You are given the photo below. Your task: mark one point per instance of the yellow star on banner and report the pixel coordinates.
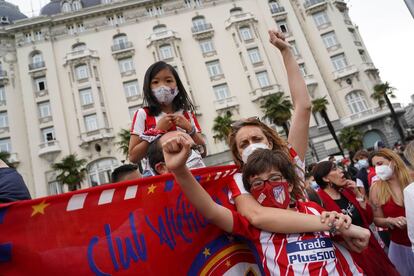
(208, 177)
(228, 263)
(39, 208)
(206, 252)
(151, 189)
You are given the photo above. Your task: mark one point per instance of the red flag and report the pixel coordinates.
(130, 228)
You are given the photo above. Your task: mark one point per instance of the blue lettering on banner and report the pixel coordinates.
(309, 251)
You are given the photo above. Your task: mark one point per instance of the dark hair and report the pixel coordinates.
(121, 171)
(321, 170)
(155, 154)
(181, 101)
(263, 160)
(361, 154)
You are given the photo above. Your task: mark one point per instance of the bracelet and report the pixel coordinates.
(192, 131)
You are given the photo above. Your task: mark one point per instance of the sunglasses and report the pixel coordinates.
(243, 122)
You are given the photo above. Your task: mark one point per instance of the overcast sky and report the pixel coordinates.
(386, 27)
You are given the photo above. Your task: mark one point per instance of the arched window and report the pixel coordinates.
(246, 33)
(159, 28)
(78, 47)
(166, 51)
(76, 5)
(199, 23)
(120, 40)
(36, 57)
(99, 171)
(66, 7)
(356, 102)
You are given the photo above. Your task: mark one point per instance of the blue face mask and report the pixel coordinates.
(363, 164)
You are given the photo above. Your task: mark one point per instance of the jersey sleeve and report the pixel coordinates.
(138, 122)
(242, 227)
(236, 186)
(194, 121)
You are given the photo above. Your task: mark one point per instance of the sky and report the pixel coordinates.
(386, 27)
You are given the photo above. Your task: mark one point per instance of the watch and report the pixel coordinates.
(192, 131)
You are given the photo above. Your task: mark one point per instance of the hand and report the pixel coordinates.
(400, 222)
(350, 184)
(278, 40)
(356, 238)
(176, 151)
(166, 122)
(338, 219)
(182, 122)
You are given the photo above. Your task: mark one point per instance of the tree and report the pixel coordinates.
(351, 139)
(123, 144)
(382, 94)
(277, 108)
(222, 126)
(319, 105)
(71, 171)
(4, 155)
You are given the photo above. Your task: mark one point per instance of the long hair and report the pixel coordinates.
(264, 160)
(181, 101)
(409, 153)
(400, 171)
(271, 135)
(321, 170)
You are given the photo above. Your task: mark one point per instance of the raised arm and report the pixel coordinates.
(176, 151)
(299, 129)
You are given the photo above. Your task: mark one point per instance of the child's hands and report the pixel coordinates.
(182, 122)
(176, 151)
(166, 122)
(278, 40)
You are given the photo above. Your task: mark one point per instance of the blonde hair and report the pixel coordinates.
(409, 153)
(400, 171)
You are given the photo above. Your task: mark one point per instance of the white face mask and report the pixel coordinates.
(363, 164)
(165, 94)
(195, 160)
(251, 148)
(384, 172)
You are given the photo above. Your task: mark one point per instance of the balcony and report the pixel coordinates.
(202, 31)
(123, 49)
(37, 66)
(165, 35)
(49, 148)
(235, 18)
(334, 48)
(369, 67)
(313, 6)
(79, 54)
(227, 103)
(340, 5)
(3, 77)
(263, 92)
(370, 115)
(278, 12)
(101, 134)
(345, 72)
(41, 93)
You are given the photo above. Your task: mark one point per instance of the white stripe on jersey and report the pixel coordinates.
(351, 264)
(269, 252)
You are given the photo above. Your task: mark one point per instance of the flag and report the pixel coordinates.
(142, 227)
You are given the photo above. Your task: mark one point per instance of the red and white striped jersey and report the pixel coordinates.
(298, 254)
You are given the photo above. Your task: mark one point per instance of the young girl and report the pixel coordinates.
(271, 179)
(168, 107)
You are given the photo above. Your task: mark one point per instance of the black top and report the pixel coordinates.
(363, 176)
(12, 187)
(349, 209)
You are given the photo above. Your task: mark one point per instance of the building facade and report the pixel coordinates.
(71, 78)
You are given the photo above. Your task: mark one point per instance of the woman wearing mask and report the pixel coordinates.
(386, 196)
(342, 195)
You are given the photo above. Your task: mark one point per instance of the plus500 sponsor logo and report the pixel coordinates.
(309, 251)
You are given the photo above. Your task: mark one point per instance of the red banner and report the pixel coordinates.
(144, 227)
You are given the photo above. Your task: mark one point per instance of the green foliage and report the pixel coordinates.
(277, 108)
(222, 126)
(319, 104)
(71, 171)
(4, 155)
(351, 139)
(123, 143)
(381, 91)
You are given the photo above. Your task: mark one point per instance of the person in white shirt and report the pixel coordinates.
(409, 194)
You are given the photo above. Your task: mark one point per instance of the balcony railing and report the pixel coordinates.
(49, 148)
(310, 80)
(369, 66)
(276, 10)
(96, 135)
(121, 46)
(160, 35)
(344, 72)
(247, 16)
(36, 65)
(202, 28)
(313, 6)
(226, 103)
(311, 3)
(370, 114)
(80, 54)
(262, 92)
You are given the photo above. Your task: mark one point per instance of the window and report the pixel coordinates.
(356, 102)
(246, 33)
(86, 96)
(320, 18)
(339, 62)
(106, 1)
(263, 79)
(318, 119)
(100, 171)
(38, 35)
(37, 58)
(302, 69)
(2, 95)
(254, 55)
(131, 88)
(193, 3)
(132, 111)
(294, 48)
(363, 55)
(214, 68)
(55, 188)
(76, 5)
(329, 39)
(40, 84)
(66, 7)
(282, 26)
(115, 19)
(274, 6)
(126, 65)
(155, 10)
(48, 134)
(207, 46)
(166, 51)
(4, 119)
(81, 72)
(75, 28)
(221, 91)
(91, 122)
(5, 145)
(120, 40)
(79, 47)
(28, 37)
(44, 109)
(80, 27)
